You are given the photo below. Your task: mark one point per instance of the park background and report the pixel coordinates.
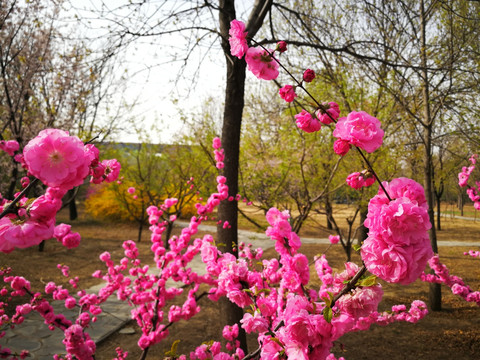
(414, 66)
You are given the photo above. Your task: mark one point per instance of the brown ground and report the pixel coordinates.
(453, 333)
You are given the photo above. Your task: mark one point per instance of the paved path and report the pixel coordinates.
(447, 215)
(34, 335)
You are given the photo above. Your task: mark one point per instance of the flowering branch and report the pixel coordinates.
(9, 208)
(352, 284)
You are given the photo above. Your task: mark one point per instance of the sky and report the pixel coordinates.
(160, 95)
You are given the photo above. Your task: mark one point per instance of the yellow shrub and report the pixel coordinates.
(113, 202)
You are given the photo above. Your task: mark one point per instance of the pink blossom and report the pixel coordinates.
(329, 113)
(361, 301)
(287, 93)
(78, 343)
(341, 147)
(237, 39)
(355, 180)
(358, 180)
(261, 63)
(209, 253)
(112, 170)
(57, 159)
(92, 153)
(98, 173)
(306, 122)
(254, 323)
(308, 75)
(131, 190)
(23, 234)
(230, 333)
(360, 129)
(463, 179)
(282, 46)
(9, 146)
(25, 181)
(398, 246)
(270, 349)
(68, 238)
(44, 208)
(334, 239)
(61, 230)
(466, 171)
(217, 143)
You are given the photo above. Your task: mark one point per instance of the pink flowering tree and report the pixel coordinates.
(289, 316)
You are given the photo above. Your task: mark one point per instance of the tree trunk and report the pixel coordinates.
(329, 212)
(435, 294)
(348, 251)
(362, 233)
(232, 121)
(140, 230)
(168, 233)
(460, 201)
(438, 199)
(72, 205)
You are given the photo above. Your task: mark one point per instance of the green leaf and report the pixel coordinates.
(328, 301)
(368, 281)
(264, 290)
(327, 314)
(357, 247)
(173, 350)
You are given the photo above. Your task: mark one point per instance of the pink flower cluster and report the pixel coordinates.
(63, 233)
(357, 310)
(357, 180)
(287, 93)
(63, 161)
(292, 320)
(398, 246)
(455, 283)
(358, 129)
(289, 318)
(261, 62)
(104, 171)
(219, 153)
(306, 122)
(472, 253)
(463, 177)
(238, 39)
(334, 239)
(329, 113)
(57, 159)
(9, 146)
(33, 221)
(308, 75)
(78, 343)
